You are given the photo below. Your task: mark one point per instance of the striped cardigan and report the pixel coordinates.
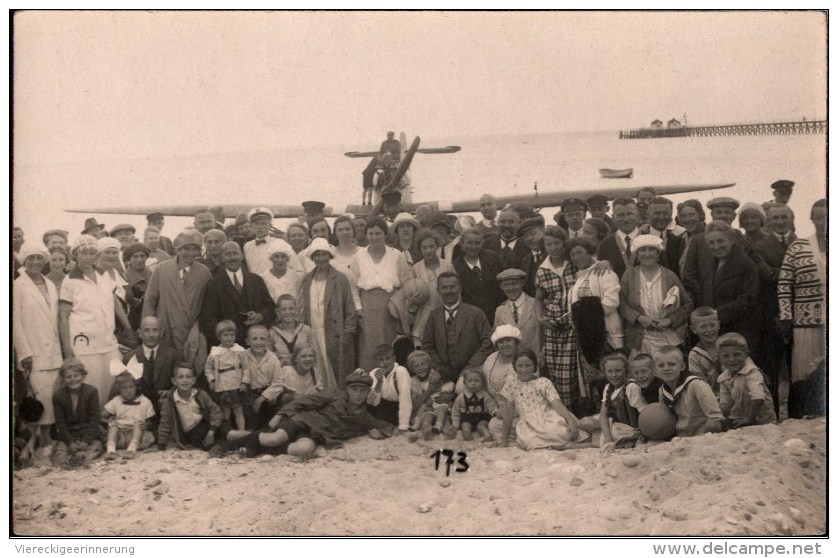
(800, 291)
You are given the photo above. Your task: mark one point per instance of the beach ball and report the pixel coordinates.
(657, 422)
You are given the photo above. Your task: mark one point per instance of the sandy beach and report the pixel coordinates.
(764, 480)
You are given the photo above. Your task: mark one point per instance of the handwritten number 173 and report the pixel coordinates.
(462, 464)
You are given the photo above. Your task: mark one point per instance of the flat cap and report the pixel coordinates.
(156, 216)
(123, 227)
(358, 378)
(722, 202)
(511, 273)
(187, 237)
(439, 218)
(527, 224)
(258, 212)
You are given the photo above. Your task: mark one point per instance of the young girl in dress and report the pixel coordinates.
(299, 378)
(227, 372)
(287, 332)
(544, 420)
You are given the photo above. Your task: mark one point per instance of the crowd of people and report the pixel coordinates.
(506, 329)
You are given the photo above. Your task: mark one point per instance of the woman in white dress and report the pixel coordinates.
(379, 271)
(35, 333)
(497, 368)
(345, 233)
(87, 317)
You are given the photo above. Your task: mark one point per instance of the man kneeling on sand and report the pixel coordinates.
(310, 419)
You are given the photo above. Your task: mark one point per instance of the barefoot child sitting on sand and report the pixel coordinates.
(544, 421)
(77, 414)
(474, 407)
(745, 398)
(312, 419)
(431, 397)
(127, 415)
(689, 397)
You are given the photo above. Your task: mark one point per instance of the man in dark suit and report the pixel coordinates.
(458, 335)
(771, 347)
(506, 244)
(158, 364)
(616, 248)
(662, 225)
(236, 295)
(478, 270)
(531, 231)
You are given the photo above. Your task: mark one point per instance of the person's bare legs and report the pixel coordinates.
(483, 430)
(113, 431)
(238, 412)
(466, 429)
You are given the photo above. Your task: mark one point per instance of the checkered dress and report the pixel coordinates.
(560, 347)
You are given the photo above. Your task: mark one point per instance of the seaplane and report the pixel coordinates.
(398, 179)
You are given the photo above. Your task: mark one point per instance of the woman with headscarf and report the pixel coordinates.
(653, 301)
(87, 312)
(35, 333)
(281, 279)
(327, 307)
(59, 264)
(498, 366)
(138, 276)
(379, 270)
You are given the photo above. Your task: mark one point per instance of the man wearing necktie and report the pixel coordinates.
(531, 231)
(519, 309)
(506, 243)
(236, 295)
(772, 351)
(477, 269)
(157, 362)
(458, 335)
(572, 216)
(616, 248)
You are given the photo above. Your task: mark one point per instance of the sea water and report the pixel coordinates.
(502, 165)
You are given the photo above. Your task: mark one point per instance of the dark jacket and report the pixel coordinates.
(483, 291)
(155, 378)
(610, 251)
(170, 428)
(513, 259)
(82, 423)
(470, 342)
(223, 302)
(530, 265)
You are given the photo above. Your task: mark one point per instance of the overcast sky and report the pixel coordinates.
(102, 85)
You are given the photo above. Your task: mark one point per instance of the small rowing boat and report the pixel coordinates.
(616, 173)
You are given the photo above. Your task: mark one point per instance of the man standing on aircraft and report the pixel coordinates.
(391, 145)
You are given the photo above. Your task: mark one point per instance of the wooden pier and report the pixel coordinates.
(759, 129)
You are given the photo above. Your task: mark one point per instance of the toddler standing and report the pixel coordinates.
(226, 372)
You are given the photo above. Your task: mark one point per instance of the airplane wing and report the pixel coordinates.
(230, 210)
(425, 150)
(551, 199)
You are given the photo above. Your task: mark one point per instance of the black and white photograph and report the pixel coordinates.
(384, 273)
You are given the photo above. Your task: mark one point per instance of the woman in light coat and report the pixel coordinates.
(35, 333)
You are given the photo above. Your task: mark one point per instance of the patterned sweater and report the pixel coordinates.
(800, 290)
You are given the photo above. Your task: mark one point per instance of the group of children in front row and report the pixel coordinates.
(721, 388)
